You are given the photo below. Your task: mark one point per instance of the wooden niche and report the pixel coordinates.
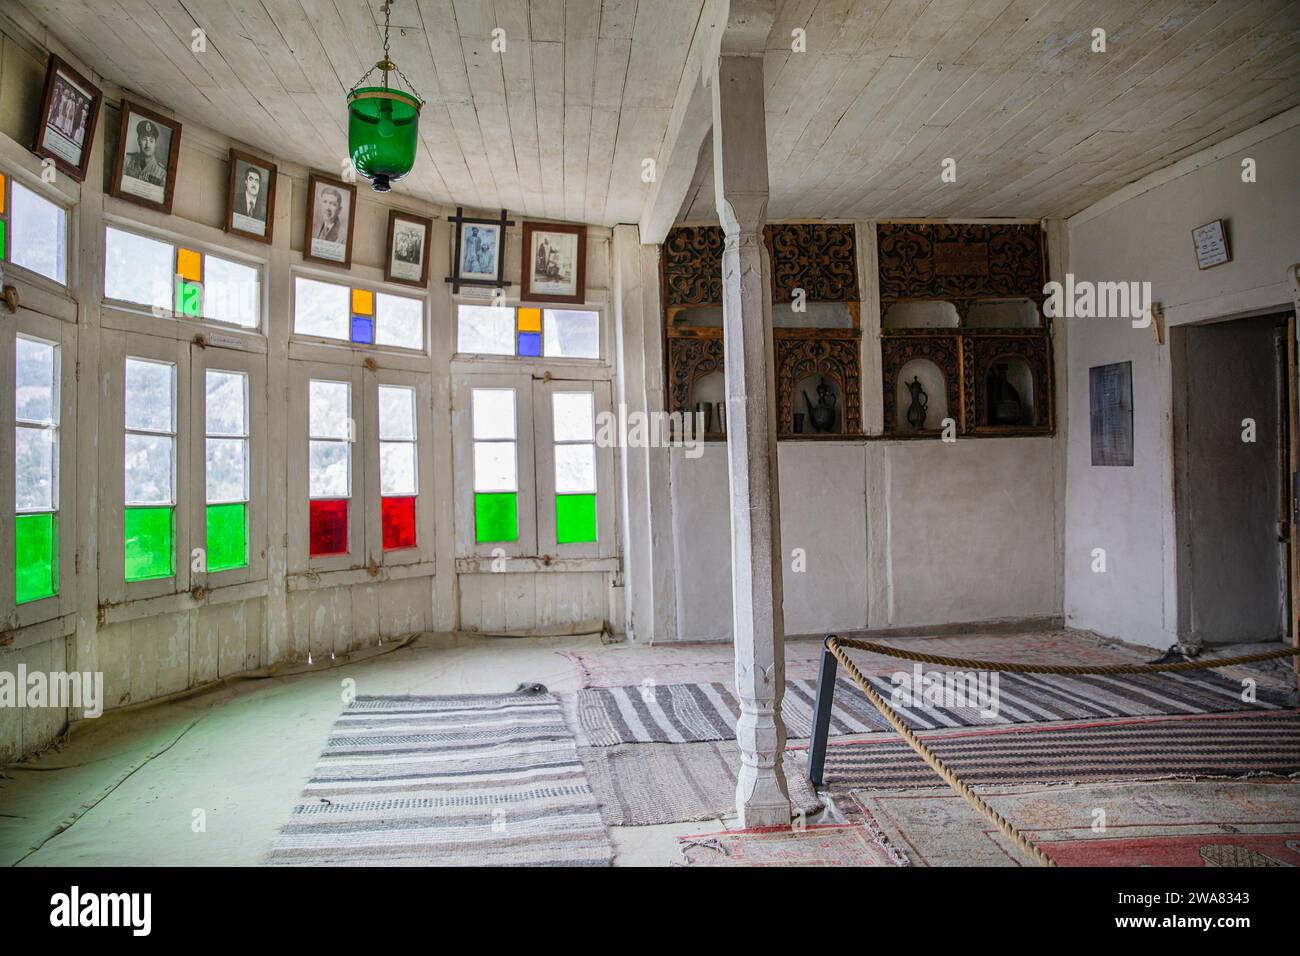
(816, 326)
(962, 321)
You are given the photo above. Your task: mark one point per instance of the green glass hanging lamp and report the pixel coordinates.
(383, 123)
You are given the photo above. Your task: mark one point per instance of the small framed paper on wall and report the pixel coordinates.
(1211, 243)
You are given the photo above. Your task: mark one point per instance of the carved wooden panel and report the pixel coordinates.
(692, 266)
(803, 352)
(819, 258)
(943, 351)
(689, 358)
(960, 261)
(987, 351)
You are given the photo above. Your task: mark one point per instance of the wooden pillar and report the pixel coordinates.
(740, 182)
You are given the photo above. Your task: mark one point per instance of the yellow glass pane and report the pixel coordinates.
(189, 264)
(3, 191)
(530, 320)
(363, 302)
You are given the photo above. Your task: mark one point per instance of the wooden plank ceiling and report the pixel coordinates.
(557, 126)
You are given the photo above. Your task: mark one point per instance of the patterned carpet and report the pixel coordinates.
(474, 780)
(690, 713)
(823, 845)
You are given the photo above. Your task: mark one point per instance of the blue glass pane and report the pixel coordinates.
(363, 329)
(530, 343)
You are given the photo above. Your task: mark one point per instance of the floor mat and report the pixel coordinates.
(1221, 746)
(690, 713)
(1170, 823)
(837, 844)
(469, 780)
(645, 784)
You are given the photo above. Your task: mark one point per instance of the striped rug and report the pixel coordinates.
(689, 713)
(472, 780)
(1230, 745)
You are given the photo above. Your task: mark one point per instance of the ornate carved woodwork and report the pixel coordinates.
(834, 354)
(943, 350)
(691, 357)
(692, 266)
(820, 258)
(986, 352)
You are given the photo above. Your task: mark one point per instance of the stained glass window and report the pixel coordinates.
(227, 463)
(573, 415)
(36, 469)
(398, 477)
(329, 465)
(149, 522)
(361, 316)
(496, 475)
(527, 332)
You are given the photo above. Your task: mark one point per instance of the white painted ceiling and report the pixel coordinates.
(558, 124)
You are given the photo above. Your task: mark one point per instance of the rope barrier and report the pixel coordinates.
(837, 645)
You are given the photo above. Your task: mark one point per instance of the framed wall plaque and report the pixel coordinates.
(1211, 244)
(1110, 402)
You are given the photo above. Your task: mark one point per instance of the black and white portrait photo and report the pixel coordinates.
(146, 157)
(251, 201)
(71, 109)
(408, 248)
(329, 220)
(480, 249)
(554, 262)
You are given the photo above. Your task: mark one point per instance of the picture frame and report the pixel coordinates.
(554, 266)
(1210, 242)
(406, 259)
(331, 218)
(144, 166)
(65, 131)
(1110, 407)
(250, 196)
(478, 251)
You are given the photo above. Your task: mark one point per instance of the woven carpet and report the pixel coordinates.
(1223, 746)
(644, 784)
(1170, 823)
(472, 780)
(686, 713)
(835, 844)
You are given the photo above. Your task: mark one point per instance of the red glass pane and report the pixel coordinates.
(329, 527)
(399, 523)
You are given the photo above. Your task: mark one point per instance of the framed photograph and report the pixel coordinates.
(250, 196)
(331, 204)
(1211, 244)
(148, 148)
(555, 263)
(1110, 404)
(408, 248)
(69, 112)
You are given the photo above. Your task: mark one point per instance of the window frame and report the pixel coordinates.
(254, 366)
(41, 191)
(63, 604)
(605, 544)
(506, 363)
(423, 552)
(355, 280)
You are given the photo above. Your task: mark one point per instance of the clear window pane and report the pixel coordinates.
(485, 329)
(138, 269)
(329, 409)
(34, 475)
(494, 466)
(400, 321)
(321, 308)
(574, 416)
(327, 468)
(39, 240)
(227, 460)
(396, 412)
(36, 382)
(493, 411)
(232, 292)
(227, 403)
(572, 334)
(397, 468)
(150, 398)
(148, 469)
(575, 468)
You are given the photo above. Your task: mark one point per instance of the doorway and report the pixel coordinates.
(1233, 393)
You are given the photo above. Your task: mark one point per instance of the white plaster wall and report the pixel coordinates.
(1143, 233)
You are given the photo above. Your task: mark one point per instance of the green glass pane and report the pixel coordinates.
(4, 243)
(149, 536)
(36, 550)
(575, 518)
(227, 537)
(496, 517)
(189, 298)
